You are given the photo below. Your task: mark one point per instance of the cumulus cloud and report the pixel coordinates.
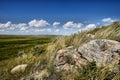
(37, 30)
(38, 23)
(41, 26)
(89, 27)
(23, 28)
(9, 26)
(71, 24)
(108, 20)
(5, 25)
(57, 30)
(55, 24)
(21, 25)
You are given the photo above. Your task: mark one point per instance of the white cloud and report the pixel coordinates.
(38, 23)
(108, 20)
(89, 27)
(37, 30)
(71, 24)
(57, 30)
(5, 25)
(23, 28)
(42, 29)
(21, 25)
(1, 25)
(10, 26)
(55, 24)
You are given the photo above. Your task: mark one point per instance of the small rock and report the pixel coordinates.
(90, 35)
(19, 68)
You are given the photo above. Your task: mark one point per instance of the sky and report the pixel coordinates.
(55, 17)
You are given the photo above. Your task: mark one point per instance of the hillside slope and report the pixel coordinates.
(42, 64)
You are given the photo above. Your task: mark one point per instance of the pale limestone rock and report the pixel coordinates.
(90, 35)
(103, 51)
(19, 68)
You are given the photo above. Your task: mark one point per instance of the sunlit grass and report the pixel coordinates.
(41, 58)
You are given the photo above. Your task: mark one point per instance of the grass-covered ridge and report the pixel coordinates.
(111, 32)
(44, 56)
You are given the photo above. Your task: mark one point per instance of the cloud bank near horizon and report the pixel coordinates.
(44, 27)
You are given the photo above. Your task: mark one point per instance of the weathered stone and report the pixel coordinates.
(103, 52)
(67, 58)
(19, 68)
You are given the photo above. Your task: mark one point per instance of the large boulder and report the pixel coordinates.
(19, 68)
(104, 52)
(68, 58)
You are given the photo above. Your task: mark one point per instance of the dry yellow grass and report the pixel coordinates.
(44, 60)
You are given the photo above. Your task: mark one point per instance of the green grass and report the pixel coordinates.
(10, 46)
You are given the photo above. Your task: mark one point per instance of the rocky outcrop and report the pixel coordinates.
(19, 68)
(103, 52)
(69, 58)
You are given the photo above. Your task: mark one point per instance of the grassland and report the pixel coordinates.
(11, 45)
(48, 51)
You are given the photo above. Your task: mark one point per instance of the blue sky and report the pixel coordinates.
(55, 16)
